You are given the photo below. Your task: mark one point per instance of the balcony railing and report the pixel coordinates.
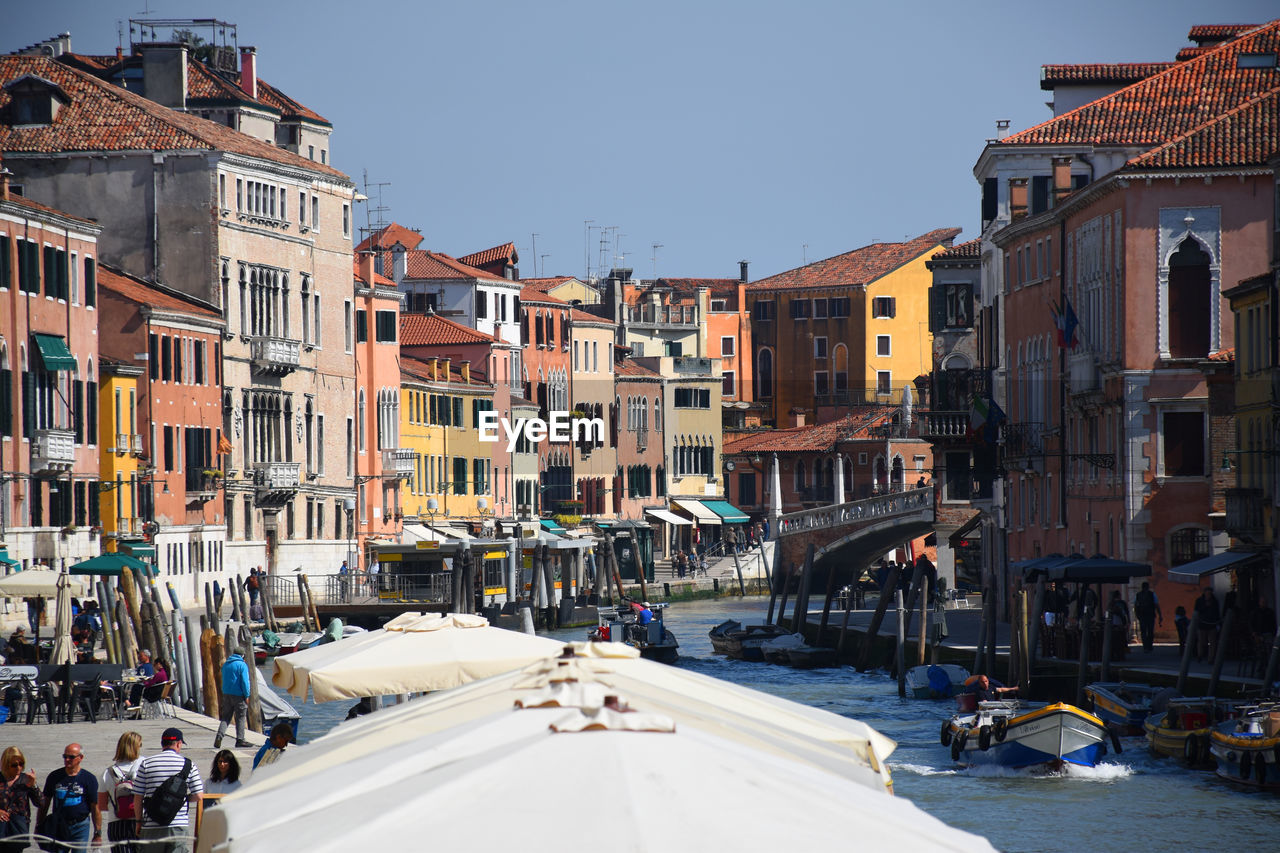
(136, 444)
(1244, 514)
(955, 390)
(662, 315)
(122, 442)
(1024, 440)
(53, 450)
(397, 463)
(274, 355)
(276, 476)
(945, 425)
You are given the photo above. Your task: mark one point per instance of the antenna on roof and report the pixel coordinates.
(656, 247)
(804, 253)
(374, 221)
(534, 252)
(586, 245)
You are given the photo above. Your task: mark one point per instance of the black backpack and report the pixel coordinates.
(166, 801)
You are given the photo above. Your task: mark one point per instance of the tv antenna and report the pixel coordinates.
(586, 245)
(373, 212)
(654, 258)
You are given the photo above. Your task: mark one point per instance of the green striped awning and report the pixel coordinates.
(54, 352)
(730, 513)
(551, 525)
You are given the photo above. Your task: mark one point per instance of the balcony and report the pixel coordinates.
(397, 463)
(945, 426)
(1083, 372)
(1245, 515)
(136, 444)
(662, 316)
(122, 442)
(53, 451)
(1024, 441)
(277, 356)
(276, 482)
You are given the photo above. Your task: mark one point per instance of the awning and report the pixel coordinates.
(552, 525)
(700, 513)
(54, 352)
(6, 560)
(138, 549)
(1195, 570)
(963, 530)
(109, 564)
(669, 517)
(730, 513)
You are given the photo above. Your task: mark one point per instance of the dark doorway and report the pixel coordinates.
(1189, 301)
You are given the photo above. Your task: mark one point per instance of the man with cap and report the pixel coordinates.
(175, 836)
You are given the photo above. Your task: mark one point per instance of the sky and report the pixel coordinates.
(587, 132)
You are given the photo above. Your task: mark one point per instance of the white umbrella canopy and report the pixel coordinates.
(39, 582)
(63, 648)
(638, 779)
(412, 653)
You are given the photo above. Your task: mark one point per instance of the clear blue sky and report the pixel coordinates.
(764, 131)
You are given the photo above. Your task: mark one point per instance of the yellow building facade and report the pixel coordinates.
(1249, 507)
(121, 513)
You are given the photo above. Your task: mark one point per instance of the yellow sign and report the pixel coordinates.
(390, 558)
(426, 545)
(494, 555)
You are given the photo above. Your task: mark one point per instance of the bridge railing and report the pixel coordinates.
(876, 506)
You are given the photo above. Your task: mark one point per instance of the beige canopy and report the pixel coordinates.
(39, 582)
(412, 653)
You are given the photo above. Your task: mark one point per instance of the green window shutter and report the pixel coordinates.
(90, 282)
(91, 412)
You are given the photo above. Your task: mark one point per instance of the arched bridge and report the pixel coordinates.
(854, 534)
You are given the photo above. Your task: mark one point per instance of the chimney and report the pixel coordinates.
(399, 263)
(444, 369)
(465, 367)
(249, 71)
(797, 417)
(742, 271)
(1017, 198)
(1002, 128)
(366, 267)
(1061, 178)
(5, 174)
(435, 369)
(164, 74)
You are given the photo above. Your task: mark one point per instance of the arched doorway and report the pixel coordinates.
(1189, 307)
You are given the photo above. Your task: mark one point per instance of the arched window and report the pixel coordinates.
(840, 363)
(1187, 544)
(800, 479)
(1189, 301)
(764, 374)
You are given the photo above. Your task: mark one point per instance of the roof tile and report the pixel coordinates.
(145, 293)
(419, 330)
(861, 266)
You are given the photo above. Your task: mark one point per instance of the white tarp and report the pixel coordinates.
(38, 582)
(668, 517)
(698, 511)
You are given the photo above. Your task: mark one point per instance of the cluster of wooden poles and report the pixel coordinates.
(194, 647)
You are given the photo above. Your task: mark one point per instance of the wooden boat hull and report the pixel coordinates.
(742, 642)
(1182, 731)
(811, 657)
(1123, 706)
(725, 639)
(1050, 737)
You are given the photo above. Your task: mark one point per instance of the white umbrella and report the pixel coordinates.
(412, 653)
(37, 582)
(63, 648)
(634, 781)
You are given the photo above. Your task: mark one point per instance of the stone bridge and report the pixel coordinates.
(853, 534)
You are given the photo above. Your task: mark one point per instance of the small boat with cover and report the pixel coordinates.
(1124, 706)
(936, 680)
(743, 642)
(1182, 729)
(1010, 734)
(626, 624)
(1247, 748)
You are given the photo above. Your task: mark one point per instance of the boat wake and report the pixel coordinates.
(1104, 772)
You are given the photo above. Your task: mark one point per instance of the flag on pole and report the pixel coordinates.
(985, 418)
(1066, 322)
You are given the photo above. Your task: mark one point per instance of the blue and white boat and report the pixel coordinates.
(1010, 734)
(1123, 706)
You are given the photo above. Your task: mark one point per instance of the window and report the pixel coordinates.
(692, 398)
(951, 306)
(727, 343)
(799, 309)
(459, 475)
(302, 208)
(385, 327)
(820, 348)
(362, 326)
(884, 306)
(764, 374)
(839, 307)
(315, 213)
(883, 348)
(727, 386)
(1183, 437)
(884, 382)
(482, 305)
(763, 311)
(821, 383)
(346, 323)
(1188, 544)
(959, 477)
(351, 448)
(819, 309)
(346, 220)
(719, 305)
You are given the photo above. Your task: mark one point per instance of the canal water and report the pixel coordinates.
(1132, 801)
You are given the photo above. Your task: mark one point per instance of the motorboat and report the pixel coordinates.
(1247, 748)
(936, 681)
(1123, 706)
(743, 642)
(625, 624)
(1182, 729)
(812, 657)
(1012, 734)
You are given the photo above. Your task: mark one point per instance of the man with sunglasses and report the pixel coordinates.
(73, 795)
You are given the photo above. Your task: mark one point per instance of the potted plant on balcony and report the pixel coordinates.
(568, 513)
(213, 477)
(96, 530)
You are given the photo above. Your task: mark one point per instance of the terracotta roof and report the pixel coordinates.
(587, 317)
(970, 250)
(86, 62)
(387, 237)
(715, 285)
(103, 117)
(505, 252)
(23, 201)
(205, 84)
(144, 293)
(419, 263)
(1166, 105)
(1192, 52)
(419, 330)
(627, 367)
(852, 427)
(378, 278)
(529, 295)
(420, 370)
(1228, 354)
(861, 266)
(545, 285)
(1245, 136)
(288, 107)
(1099, 73)
(1217, 32)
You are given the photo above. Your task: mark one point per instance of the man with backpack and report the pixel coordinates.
(167, 784)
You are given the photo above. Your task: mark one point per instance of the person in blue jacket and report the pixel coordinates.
(235, 699)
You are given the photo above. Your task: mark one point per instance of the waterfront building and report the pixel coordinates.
(843, 331)
(597, 474)
(163, 446)
(637, 436)
(566, 288)
(654, 318)
(547, 363)
(50, 374)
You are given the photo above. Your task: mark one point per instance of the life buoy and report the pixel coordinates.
(984, 738)
(946, 733)
(1246, 764)
(1000, 728)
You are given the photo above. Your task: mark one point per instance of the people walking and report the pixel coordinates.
(165, 813)
(18, 790)
(1207, 628)
(1147, 608)
(234, 700)
(115, 794)
(72, 794)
